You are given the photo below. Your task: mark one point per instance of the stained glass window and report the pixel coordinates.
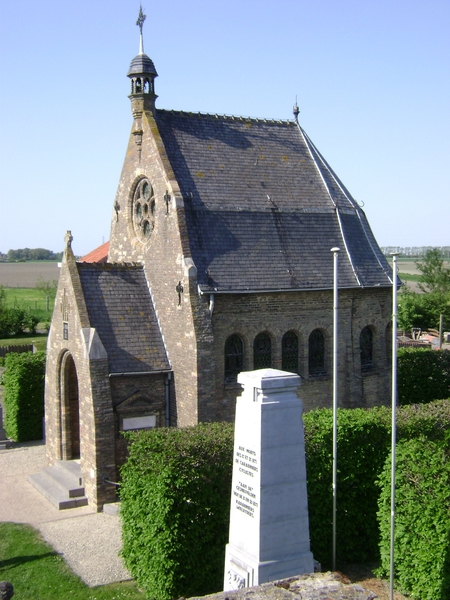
(262, 352)
(289, 352)
(234, 358)
(144, 209)
(316, 351)
(366, 348)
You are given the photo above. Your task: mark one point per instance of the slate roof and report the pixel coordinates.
(142, 65)
(263, 208)
(120, 308)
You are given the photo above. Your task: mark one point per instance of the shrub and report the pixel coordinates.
(422, 521)
(423, 375)
(176, 490)
(11, 322)
(30, 322)
(177, 484)
(363, 443)
(24, 395)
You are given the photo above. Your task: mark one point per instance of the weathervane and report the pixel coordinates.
(141, 19)
(140, 23)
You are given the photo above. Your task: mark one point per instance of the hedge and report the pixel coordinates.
(177, 484)
(24, 396)
(422, 520)
(364, 443)
(423, 375)
(175, 492)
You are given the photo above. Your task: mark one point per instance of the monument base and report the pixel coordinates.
(243, 571)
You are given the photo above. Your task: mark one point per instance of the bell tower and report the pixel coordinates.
(142, 74)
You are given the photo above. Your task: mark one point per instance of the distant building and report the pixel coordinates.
(219, 261)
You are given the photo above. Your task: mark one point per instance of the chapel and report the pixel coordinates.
(219, 261)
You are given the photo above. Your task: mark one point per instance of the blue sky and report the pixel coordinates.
(372, 80)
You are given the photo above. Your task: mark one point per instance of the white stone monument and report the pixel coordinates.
(269, 528)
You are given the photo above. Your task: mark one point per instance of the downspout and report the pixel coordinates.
(211, 304)
(167, 396)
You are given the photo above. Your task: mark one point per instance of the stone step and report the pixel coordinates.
(61, 484)
(112, 508)
(66, 481)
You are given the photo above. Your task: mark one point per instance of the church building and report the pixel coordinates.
(219, 261)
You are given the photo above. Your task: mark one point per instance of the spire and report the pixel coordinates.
(140, 23)
(142, 73)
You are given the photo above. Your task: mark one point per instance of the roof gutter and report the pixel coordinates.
(135, 373)
(283, 290)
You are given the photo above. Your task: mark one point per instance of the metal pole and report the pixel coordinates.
(335, 252)
(394, 418)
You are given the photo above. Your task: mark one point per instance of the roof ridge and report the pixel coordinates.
(108, 265)
(228, 117)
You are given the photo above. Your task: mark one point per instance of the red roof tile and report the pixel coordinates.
(99, 255)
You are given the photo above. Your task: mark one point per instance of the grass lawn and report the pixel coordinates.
(38, 339)
(410, 277)
(29, 299)
(37, 572)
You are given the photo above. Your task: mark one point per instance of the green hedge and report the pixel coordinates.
(423, 375)
(422, 521)
(24, 396)
(364, 443)
(176, 489)
(177, 484)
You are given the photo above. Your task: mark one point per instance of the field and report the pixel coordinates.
(25, 275)
(19, 281)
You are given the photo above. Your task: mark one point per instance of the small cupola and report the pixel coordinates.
(142, 73)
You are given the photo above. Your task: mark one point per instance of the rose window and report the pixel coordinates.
(144, 209)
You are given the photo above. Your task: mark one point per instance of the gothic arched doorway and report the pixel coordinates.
(70, 409)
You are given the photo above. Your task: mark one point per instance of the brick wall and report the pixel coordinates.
(302, 312)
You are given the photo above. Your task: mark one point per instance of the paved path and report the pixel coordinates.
(89, 541)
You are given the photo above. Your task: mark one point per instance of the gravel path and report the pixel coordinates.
(88, 541)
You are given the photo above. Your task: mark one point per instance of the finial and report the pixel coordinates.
(68, 239)
(296, 110)
(140, 23)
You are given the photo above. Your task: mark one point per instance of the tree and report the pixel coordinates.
(48, 288)
(435, 277)
(422, 310)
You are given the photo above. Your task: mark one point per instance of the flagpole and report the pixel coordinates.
(335, 252)
(394, 419)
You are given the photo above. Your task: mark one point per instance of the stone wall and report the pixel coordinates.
(302, 312)
(166, 257)
(329, 586)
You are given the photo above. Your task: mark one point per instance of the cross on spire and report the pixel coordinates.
(140, 23)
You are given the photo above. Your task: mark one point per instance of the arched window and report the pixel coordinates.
(366, 348)
(234, 358)
(316, 352)
(262, 351)
(289, 352)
